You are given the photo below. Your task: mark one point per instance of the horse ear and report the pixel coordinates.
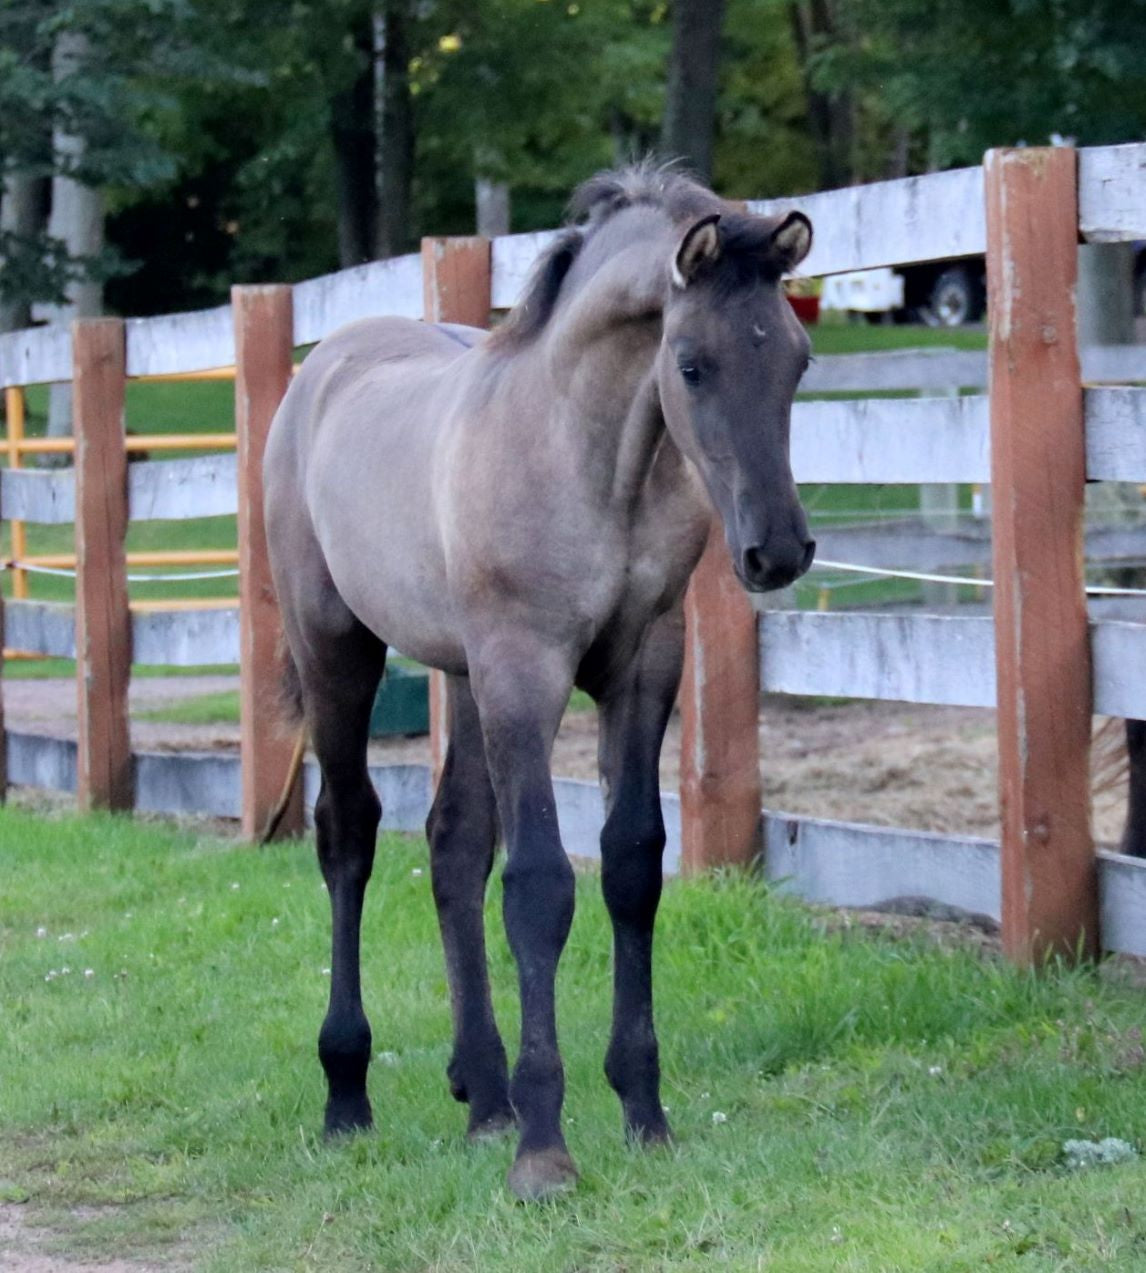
(792, 240)
(700, 246)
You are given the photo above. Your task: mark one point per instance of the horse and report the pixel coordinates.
(523, 510)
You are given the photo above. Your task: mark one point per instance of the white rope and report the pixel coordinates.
(1092, 590)
(62, 573)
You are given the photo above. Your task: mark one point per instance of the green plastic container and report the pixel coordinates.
(403, 703)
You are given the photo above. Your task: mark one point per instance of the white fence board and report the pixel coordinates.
(848, 864)
(892, 440)
(912, 658)
(171, 490)
(1118, 656)
(41, 627)
(36, 355)
(1116, 434)
(1112, 193)
(1122, 902)
(891, 222)
(36, 760)
(197, 341)
(206, 784)
(322, 305)
(185, 638)
(512, 259)
(47, 496)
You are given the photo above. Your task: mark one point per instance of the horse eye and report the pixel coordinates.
(691, 373)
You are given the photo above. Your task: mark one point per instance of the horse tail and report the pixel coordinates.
(291, 711)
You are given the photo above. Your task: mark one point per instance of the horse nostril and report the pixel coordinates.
(809, 556)
(754, 565)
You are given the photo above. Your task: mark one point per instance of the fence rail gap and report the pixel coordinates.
(264, 325)
(103, 621)
(1043, 666)
(457, 283)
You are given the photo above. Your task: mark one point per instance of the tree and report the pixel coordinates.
(690, 101)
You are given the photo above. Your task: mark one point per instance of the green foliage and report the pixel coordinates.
(886, 1103)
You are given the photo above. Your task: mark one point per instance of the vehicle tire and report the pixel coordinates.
(955, 298)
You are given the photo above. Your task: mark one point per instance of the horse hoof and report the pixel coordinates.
(491, 1127)
(347, 1117)
(545, 1173)
(650, 1133)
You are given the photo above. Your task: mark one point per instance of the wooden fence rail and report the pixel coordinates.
(1025, 210)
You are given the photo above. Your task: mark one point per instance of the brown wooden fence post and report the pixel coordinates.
(456, 288)
(264, 340)
(719, 705)
(103, 621)
(1049, 873)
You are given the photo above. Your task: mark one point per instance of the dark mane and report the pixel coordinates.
(594, 202)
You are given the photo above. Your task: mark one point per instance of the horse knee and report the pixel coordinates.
(346, 820)
(631, 871)
(538, 900)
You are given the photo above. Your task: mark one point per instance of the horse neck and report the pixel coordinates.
(600, 360)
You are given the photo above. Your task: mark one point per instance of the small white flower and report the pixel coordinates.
(935, 1070)
(66, 937)
(64, 971)
(235, 887)
(51, 975)
(129, 914)
(41, 931)
(837, 1236)
(718, 1117)
(416, 871)
(326, 972)
(275, 922)
(387, 1058)
(89, 972)
(705, 1095)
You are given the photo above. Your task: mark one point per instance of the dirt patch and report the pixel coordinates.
(891, 764)
(27, 1246)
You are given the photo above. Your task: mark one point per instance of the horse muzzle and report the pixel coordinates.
(766, 567)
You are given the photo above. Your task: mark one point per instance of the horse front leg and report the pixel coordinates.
(522, 689)
(633, 716)
(462, 831)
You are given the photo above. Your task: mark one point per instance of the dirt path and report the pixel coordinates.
(892, 764)
(29, 1247)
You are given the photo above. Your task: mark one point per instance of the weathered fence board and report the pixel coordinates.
(912, 658)
(719, 691)
(322, 305)
(1112, 193)
(1038, 467)
(36, 356)
(35, 760)
(849, 864)
(891, 222)
(1122, 900)
(1116, 435)
(891, 440)
(197, 341)
(41, 627)
(513, 257)
(206, 784)
(172, 490)
(186, 638)
(31, 495)
(103, 624)
(263, 368)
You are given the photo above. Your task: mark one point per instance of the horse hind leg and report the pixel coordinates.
(462, 830)
(339, 682)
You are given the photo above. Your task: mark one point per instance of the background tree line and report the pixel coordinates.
(155, 151)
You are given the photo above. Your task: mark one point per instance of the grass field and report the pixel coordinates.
(843, 1100)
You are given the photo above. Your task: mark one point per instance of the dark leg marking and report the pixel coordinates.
(462, 831)
(338, 695)
(521, 691)
(633, 717)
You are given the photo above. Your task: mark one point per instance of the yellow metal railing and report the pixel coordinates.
(17, 445)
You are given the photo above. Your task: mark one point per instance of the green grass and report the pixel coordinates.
(835, 334)
(889, 1104)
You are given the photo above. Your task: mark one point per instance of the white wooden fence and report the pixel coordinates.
(916, 657)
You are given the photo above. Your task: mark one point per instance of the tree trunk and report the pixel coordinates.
(395, 110)
(830, 115)
(76, 219)
(689, 126)
(353, 135)
(21, 215)
(492, 200)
